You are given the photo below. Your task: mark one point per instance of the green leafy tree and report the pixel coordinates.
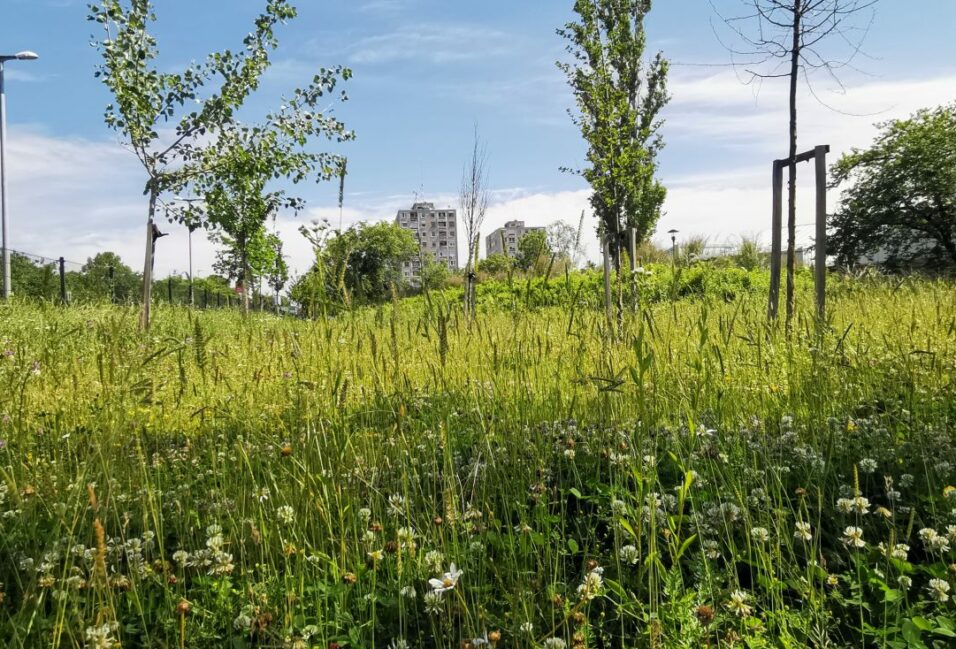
(619, 99)
(147, 98)
(899, 206)
(496, 264)
(532, 247)
(434, 275)
(106, 277)
(357, 266)
(32, 279)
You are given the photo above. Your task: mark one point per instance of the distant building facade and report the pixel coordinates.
(436, 231)
(504, 241)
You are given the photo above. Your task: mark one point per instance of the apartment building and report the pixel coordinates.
(504, 241)
(437, 233)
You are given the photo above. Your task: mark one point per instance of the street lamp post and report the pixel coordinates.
(192, 227)
(673, 234)
(22, 56)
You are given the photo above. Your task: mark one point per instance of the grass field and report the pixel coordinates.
(397, 478)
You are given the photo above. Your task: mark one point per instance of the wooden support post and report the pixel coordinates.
(63, 296)
(820, 261)
(607, 281)
(776, 243)
(169, 288)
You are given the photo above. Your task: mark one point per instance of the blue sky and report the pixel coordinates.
(427, 71)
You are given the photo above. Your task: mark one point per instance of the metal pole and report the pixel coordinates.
(607, 282)
(3, 187)
(820, 262)
(62, 264)
(776, 242)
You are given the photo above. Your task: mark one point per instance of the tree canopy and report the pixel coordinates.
(899, 206)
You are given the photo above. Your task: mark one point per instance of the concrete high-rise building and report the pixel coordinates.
(504, 241)
(437, 233)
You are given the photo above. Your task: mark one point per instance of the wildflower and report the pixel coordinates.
(939, 589)
(853, 537)
(592, 585)
(904, 582)
(704, 614)
(738, 604)
(803, 531)
(434, 560)
(949, 491)
(618, 507)
(399, 643)
(555, 643)
(569, 453)
(286, 514)
(711, 550)
(447, 582)
(526, 627)
(365, 514)
(433, 602)
(867, 465)
(408, 592)
(933, 540)
(101, 637)
(899, 551)
(884, 512)
(375, 556)
(628, 554)
(760, 534)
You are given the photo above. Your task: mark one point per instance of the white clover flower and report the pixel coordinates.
(853, 537)
(433, 603)
(101, 637)
(629, 555)
(711, 549)
(933, 540)
(867, 465)
(904, 582)
(592, 585)
(408, 592)
(365, 514)
(181, 557)
(803, 531)
(555, 643)
(526, 627)
(760, 534)
(399, 643)
(738, 604)
(618, 507)
(939, 589)
(447, 581)
(286, 515)
(434, 560)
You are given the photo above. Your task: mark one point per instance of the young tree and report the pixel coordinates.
(787, 39)
(531, 248)
(619, 98)
(900, 205)
(473, 199)
(146, 98)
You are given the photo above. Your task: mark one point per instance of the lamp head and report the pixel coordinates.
(27, 55)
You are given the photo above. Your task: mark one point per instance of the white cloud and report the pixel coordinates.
(435, 43)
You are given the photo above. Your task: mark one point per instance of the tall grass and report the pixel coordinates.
(694, 479)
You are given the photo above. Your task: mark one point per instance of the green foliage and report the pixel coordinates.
(263, 481)
(532, 248)
(619, 99)
(900, 203)
(496, 264)
(361, 265)
(434, 275)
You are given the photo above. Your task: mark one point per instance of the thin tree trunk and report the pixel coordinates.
(792, 189)
(148, 265)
